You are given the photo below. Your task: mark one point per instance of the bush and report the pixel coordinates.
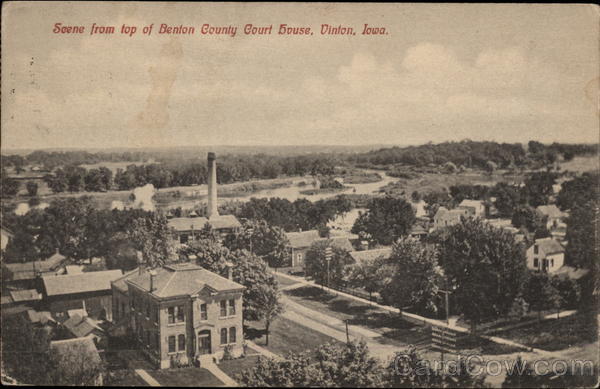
(228, 353)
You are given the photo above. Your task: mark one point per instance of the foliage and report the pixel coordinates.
(152, 236)
(370, 275)
(258, 237)
(415, 276)
(267, 305)
(348, 365)
(578, 191)
(527, 217)
(538, 188)
(541, 294)
(485, 267)
(582, 230)
(435, 200)
(316, 265)
(507, 198)
(32, 188)
(8, 186)
(386, 219)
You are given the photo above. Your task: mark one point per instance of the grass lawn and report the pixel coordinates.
(559, 334)
(394, 330)
(286, 336)
(186, 376)
(235, 367)
(124, 378)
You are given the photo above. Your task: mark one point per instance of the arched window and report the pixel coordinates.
(223, 335)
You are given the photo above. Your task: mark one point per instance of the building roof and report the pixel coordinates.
(219, 222)
(39, 317)
(444, 213)
(341, 242)
(549, 246)
(80, 326)
(471, 203)
(19, 296)
(120, 283)
(181, 279)
(551, 211)
(24, 271)
(80, 283)
(302, 239)
(418, 229)
(369, 255)
(69, 350)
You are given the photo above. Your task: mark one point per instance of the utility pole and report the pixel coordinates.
(328, 255)
(347, 334)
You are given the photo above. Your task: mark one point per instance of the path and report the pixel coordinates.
(147, 377)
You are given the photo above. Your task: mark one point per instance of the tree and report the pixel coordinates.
(32, 188)
(541, 294)
(347, 365)
(582, 230)
(485, 266)
(386, 219)
(415, 276)
(9, 186)
(527, 217)
(371, 275)
(520, 374)
(435, 200)
(519, 308)
(538, 188)
(316, 264)
(152, 236)
(25, 350)
(507, 199)
(268, 306)
(579, 191)
(257, 236)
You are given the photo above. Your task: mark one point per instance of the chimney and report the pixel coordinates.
(229, 270)
(152, 275)
(212, 186)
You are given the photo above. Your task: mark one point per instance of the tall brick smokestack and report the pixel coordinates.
(212, 186)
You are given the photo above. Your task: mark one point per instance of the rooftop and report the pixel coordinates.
(181, 224)
(302, 239)
(549, 246)
(67, 349)
(24, 271)
(471, 203)
(19, 296)
(181, 279)
(120, 283)
(80, 326)
(550, 211)
(80, 283)
(369, 255)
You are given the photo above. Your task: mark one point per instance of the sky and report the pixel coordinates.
(507, 73)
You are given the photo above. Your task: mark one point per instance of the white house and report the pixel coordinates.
(444, 217)
(553, 214)
(476, 208)
(545, 255)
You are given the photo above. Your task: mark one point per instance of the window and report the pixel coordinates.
(552, 262)
(181, 342)
(223, 308)
(535, 249)
(171, 311)
(536, 263)
(232, 335)
(172, 344)
(231, 307)
(133, 304)
(180, 314)
(223, 335)
(157, 340)
(203, 312)
(148, 310)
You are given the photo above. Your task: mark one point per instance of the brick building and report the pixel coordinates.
(180, 313)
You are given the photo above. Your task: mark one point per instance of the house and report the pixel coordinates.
(181, 313)
(444, 217)
(370, 255)
(6, 236)
(89, 291)
(80, 354)
(553, 214)
(419, 232)
(475, 208)
(82, 326)
(25, 274)
(300, 242)
(186, 228)
(545, 255)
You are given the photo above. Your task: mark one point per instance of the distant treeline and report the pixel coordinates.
(472, 154)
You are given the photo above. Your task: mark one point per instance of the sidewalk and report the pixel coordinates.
(147, 377)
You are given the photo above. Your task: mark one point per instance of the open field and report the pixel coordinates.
(234, 367)
(286, 336)
(124, 377)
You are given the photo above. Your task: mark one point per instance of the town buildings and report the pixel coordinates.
(180, 313)
(300, 242)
